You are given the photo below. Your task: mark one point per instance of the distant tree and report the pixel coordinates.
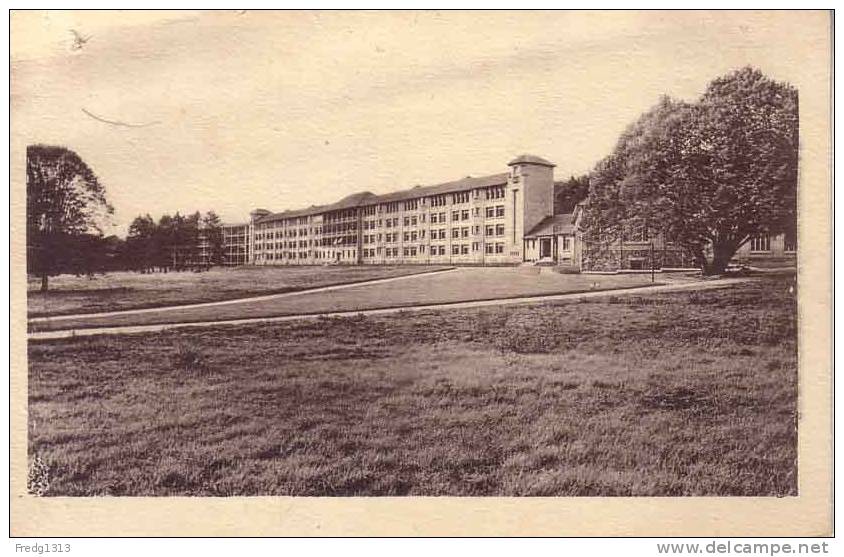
(64, 202)
(213, 230)
(709, 175)
(140, 249)
(569, 193)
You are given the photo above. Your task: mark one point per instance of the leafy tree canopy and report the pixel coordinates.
(64, 200)
(709, 175)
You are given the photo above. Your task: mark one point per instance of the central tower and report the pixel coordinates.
(531, 188)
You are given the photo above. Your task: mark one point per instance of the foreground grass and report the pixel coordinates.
(672, 394)
(69, 294)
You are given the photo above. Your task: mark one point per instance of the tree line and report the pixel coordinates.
(174, 242)
(67, 210)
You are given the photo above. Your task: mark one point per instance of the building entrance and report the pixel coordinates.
(544, 248)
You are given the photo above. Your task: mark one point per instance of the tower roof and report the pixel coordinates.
(531, 159)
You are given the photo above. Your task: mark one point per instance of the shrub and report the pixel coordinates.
(188, 359)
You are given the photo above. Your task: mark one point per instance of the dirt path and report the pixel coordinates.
(130, 329)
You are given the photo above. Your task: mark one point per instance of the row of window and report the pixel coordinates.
(392, 222)
(408, 251)
(763, 243)
(436, 234)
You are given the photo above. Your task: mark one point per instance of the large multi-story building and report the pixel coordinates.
(469, 221)
(504, 218)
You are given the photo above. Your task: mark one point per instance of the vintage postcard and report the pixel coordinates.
(558, 273)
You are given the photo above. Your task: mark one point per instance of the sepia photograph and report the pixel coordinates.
(404, 254)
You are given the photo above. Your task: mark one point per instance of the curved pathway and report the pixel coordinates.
(262, 298)
(130, 329)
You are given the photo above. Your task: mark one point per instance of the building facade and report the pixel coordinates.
(472, 221)
(236, 244)
(499, 219)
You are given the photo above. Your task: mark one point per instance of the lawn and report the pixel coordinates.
(464, 284)
(70, 294)
(686, 393)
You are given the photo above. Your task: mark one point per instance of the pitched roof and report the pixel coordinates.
(362, 199)
(555, 224)
(530, 159)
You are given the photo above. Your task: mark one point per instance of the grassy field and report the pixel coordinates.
(69, 294)
(690, 393)
(454, 286)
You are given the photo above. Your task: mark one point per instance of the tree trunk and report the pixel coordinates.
(721, 255)
(44, 282)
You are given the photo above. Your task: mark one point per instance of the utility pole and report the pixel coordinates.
(652, 261)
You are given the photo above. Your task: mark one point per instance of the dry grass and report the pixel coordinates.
(69, 294)
(454, 286)
(672, 394)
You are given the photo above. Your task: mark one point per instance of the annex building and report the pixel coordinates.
(500, 219)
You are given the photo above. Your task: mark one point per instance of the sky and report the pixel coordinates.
(230, 111)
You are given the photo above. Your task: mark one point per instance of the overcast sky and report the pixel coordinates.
(231, 111)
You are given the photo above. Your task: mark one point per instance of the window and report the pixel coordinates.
(490, 212)
(464, 214)
(566, 243)
(499, 230)
(407, 221)
(442, 250)
(455, 232)
(411, 205)
(464, 232)
(433, 218)
(413, 220)
(413, 236)
(464, 249)
(476, 211)
(489, 248)
(495, 193)
(474, 246)
(789, 243)
(490, 230)
(455, 249)
(455, 215)
(406, 236)
(461, 197)
(638, 233)
(760, 243)
(499, 247)
(499, 211)
(438, 201)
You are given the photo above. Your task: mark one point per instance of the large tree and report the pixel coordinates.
(140, 251)
(708, 175)
(64, 203)
(212, 227)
